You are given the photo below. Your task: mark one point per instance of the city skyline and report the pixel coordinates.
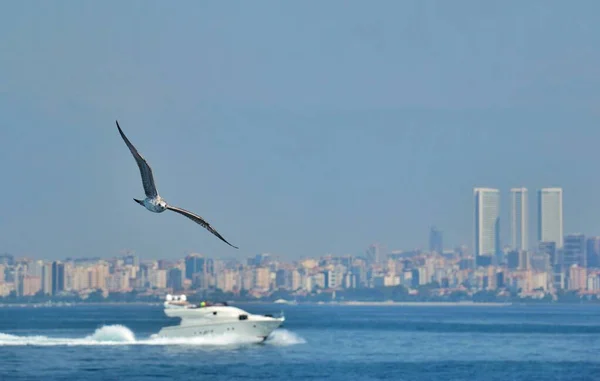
(487, 223)
(519, 224)
(540, 273)
(545, 275)
(549, 223)
(408, 186)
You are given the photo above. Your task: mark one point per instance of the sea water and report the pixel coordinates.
(318, 342)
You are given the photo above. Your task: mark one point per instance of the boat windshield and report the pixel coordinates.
(208, 304)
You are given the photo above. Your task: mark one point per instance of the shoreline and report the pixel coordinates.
(72, 304)
(386, 303)
(347, 303)
(292, 303)
(425, 304)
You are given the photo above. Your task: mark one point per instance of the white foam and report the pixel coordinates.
(121, 335)
(106, 335)
(283, 337)
(111, 334)
(221, 340)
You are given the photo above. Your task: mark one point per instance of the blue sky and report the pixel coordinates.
(296, 128)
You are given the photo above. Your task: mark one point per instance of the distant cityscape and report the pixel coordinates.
(557, 268)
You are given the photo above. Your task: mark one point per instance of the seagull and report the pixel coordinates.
(153, 202)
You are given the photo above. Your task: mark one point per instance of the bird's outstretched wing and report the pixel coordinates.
(145, 170)
(199, 220)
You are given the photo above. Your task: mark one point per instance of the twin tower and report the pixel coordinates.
(487, 219)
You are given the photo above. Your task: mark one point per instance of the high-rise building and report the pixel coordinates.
(7, 259)
(550, 216)
(436, 241)
(132, 260)
(47, 278)
(593, 252)
(577, 278)
(262, 278)
(540, 262)
(34, 268)
(374, 253)
(194, 264)
(157, 278)
(487, 222)
(58, 277)
(175, 279)
(518, 218)
(524, 260)
(512, 259)
(549, 249)
(31, 285)
(210, 266)
(500, 279)
(574, 251)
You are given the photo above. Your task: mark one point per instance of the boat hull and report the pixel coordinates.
(248, 329)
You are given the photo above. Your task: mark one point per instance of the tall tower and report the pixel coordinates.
(436, 241)
(518, 218)
(487, 222)
(374, 253)
(194, 264)
(550, 216)
(47, 279)
(593, 252)
(58, 277)
(574, 251)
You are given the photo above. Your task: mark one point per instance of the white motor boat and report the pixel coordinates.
(208, 319)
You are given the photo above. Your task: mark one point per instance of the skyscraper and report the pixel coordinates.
(194, 264)
(58, 277)
(47, 279)
(518, 218)
(549, 249)
(374, 253)
(435, 241)
(487, 222)
(593, 252)
(550, 216)
(574, 251)
(175, 279)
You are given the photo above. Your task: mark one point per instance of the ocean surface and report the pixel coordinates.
(317, 342)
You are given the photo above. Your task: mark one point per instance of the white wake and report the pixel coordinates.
(121, 335)
(283, 337)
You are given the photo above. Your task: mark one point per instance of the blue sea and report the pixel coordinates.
(317, 342)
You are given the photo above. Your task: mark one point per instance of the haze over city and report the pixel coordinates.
(299, 135)
(401, 190)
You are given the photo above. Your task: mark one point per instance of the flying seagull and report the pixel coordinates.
(153, 202)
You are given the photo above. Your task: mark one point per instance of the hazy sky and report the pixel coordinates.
(296, 128)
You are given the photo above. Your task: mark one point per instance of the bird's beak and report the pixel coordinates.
(138, 201)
